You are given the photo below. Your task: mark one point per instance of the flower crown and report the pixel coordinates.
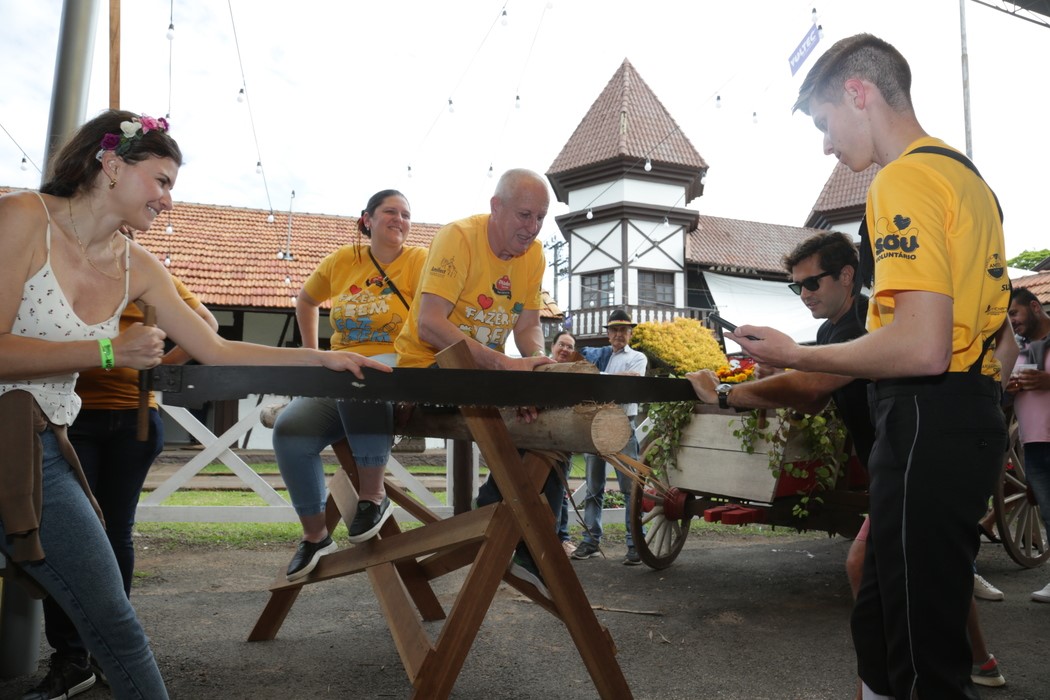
(129, 131)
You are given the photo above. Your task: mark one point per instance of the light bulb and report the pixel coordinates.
(287, 279)
(754, 117)
(648, 165)
(169, 228)
(667, 223)
(171, 31)
(25, 163)
(240, 95)
(167, 261)
(410, 171)
(820, 31)
(451, 109)
(490, 171)
(503, 19)
(517, 102)
(258, 167)
(590, 214)
(718, 101)
(814, 16)
(269, 218)
(280, 255)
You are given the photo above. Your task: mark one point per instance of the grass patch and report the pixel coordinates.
(224, 535)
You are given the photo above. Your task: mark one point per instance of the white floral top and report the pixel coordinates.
(46, 313)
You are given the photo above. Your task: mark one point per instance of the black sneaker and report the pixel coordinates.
(586, 550)
(369, 518)
(524, 567)
(632, 558)
(65, 678)
(307, 554)
(97, 669)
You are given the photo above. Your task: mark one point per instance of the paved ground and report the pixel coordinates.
(740, 617)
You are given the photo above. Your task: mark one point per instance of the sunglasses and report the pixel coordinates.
(810, 283)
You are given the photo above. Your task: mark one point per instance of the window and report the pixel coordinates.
(656, 288)
(597, 289)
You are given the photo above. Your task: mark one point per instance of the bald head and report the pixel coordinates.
(518, 208)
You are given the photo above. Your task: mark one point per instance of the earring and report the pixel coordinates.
(112, 182)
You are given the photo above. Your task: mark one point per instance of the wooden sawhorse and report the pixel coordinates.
(401, 564)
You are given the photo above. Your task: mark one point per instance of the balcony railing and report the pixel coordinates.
(588, 323)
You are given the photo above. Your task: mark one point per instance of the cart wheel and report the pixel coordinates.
(1016, 512)
(661, 511)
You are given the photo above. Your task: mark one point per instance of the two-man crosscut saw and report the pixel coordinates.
(195, 384)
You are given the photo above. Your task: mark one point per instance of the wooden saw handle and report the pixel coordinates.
(145, 381)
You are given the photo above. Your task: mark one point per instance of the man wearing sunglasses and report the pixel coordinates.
(939, 299)
(823, 271)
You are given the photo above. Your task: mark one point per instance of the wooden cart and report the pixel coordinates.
(717, 480)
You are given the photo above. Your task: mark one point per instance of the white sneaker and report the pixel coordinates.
(1042, 595)
(986, 591)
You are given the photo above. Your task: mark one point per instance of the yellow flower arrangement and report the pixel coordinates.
(684, 345)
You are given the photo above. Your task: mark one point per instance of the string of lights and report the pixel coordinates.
(501, 18)
(26, 160)
(243, 96)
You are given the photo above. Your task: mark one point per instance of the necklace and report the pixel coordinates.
(116, 260)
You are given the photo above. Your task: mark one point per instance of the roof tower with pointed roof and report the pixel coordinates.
(624, 126)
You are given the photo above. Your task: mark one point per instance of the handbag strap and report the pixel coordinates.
(386, 278)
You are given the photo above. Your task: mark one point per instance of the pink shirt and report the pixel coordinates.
(1032, 409)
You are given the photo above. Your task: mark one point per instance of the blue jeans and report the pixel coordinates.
(309, 424)
(563, 519)
(594, 498)
(81, 574)
(553, 491)
(1037, 472)
(115, 463)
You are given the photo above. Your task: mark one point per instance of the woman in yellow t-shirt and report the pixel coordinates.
(371, 288)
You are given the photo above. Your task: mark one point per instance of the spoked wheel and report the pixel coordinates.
(1016, 512)
(659, 520)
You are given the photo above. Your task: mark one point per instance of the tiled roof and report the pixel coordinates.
(627, 120)
(228, 255)
(743, 246)
(845, 189)
(1038, 284)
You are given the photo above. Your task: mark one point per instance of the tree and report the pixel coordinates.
(1029, 259)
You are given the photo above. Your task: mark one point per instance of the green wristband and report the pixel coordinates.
(105, 351)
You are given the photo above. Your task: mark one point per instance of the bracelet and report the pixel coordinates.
(105, 351)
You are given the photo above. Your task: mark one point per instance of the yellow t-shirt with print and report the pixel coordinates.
(934, 226)
(487, 293)
(366, 314)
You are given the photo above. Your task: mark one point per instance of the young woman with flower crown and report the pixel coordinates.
(68, 274)
(371, 288)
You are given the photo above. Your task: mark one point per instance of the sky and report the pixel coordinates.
(344, 96)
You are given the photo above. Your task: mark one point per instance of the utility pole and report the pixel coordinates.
(556, 246)
(965, 79)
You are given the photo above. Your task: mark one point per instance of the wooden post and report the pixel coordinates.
(462, 473)
(114, 54)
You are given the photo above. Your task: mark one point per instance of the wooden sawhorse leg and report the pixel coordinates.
(484, 539)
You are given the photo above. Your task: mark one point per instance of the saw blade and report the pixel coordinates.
(194, 385)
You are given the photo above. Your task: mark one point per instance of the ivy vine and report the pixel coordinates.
(823, 438)
(668, 421)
